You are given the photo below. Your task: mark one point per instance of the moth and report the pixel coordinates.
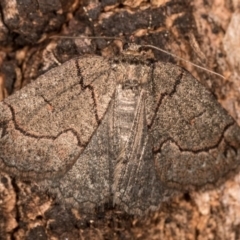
(127, 131)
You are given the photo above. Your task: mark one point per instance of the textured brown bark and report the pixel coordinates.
(195, 30)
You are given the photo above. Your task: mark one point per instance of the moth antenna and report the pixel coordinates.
(177, 57)
(157, 48)
(148, 46)
(96, 37)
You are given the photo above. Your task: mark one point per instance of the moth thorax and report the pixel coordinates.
(126, 104)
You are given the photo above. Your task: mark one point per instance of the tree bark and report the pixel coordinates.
(198, 31)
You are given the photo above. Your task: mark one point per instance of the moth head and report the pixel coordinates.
(131, 86)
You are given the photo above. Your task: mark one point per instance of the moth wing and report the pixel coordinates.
(136, 187)
(196, 142)
(45, 126)
(87, 185)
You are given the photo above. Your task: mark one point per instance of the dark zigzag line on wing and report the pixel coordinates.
(94, 99)
(91, 89)
(229, 173)
(83, 87)
(48, 101)
(163, 95)
(17, 127)
(200, 150)
(25, 133)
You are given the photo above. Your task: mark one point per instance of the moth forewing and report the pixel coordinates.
(139, 130)
(134, 169)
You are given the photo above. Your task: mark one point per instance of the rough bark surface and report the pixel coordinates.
(195, 30)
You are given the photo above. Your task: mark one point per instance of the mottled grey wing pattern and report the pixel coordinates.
(88, 183)
(195, 141)
(117, 166)
(46, 126)
(123, 132)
